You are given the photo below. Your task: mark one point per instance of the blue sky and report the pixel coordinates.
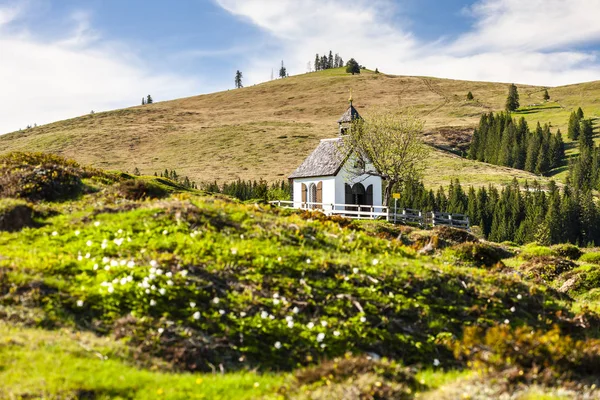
(63, 58)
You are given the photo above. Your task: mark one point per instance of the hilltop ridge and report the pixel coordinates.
(264, 131)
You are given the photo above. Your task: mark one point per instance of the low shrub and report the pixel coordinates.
(547, 267)
(532, 250)
(15, 215)
(479, 254)
(137, 189)
(524, 354)
(567, 250)
(364, 377)
(40, 176)
(593, 258)
(454, 235)
(581, 279)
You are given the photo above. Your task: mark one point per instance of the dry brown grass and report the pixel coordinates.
(265, 131)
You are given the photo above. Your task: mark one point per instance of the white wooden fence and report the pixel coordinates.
(404, 216)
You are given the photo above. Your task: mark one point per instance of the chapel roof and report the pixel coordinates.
(350, 115)
(326, 160)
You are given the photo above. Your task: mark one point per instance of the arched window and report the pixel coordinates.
(312, 194)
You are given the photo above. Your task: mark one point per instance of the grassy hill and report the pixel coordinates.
(265, 131)
(113, 286)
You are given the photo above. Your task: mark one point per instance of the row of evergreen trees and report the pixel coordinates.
(516, 213)
(501, 140)
(251, 190)
(175, 177)
(579, 125)
(327, 62)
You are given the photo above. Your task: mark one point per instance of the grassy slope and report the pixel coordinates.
(265, 131)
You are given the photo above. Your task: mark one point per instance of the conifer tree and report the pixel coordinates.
(586, 134)
(580, 113)
(149, 100)
(470, 96)
(317, 63)
(143, 101)
(546, 95)
(330, 60)
(282, 71)
(238, 79)
(574, 127)
(512, 101)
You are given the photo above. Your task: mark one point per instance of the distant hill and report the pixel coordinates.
(266, 130)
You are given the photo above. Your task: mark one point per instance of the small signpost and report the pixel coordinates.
(396, 196)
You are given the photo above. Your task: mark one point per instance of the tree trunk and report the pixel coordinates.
(387, 194)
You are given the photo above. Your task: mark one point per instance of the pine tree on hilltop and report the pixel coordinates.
(317, 63)
(470, 96)
(352, 67)
(512, 101)
(149, 100)
(546, 95)
(143, 101)
(330, 60)
(282, 71)
(238, 79)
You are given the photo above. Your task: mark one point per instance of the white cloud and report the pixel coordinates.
(48, 80)
(530, 41)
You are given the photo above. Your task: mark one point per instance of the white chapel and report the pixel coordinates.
(324, 181)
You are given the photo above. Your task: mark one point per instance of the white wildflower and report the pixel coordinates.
(79, 257)
(289, 318)
(114, 263)
(169, 274)
(221, 311)
(122, 262)
(153, 263)
(79, 303)
(159, 271)
(242, 314)
(276, 301)
(170, 282)
(324, 323)
(152, 303)
(147, 291)
(512, 309)
(279, 259)
(95, 267)
(152, 270)
(375, 261)
(120, 231)
(436, 362)
(308, 261)
(97, 223)
(264, 314)
(271, 316)
(310, 325)
(234, 251)
(162, 291)
(105, 260)
(161, 330)
(363, 319)
(131, 264)
(290, 324)
(89, 243)
(54, 233)
(87, 255)
(118, 242)
(519, 297)
(77, 233)
(165, 232)
(111, 289)
(192, 304)
(277, 345)
(336, 333)
(104, 245)
(107, 267)
(216, 300)
(320, 337)
(123, 281)
(197, 315)
(506, 321)
(355, 270)
(295, 310)
(183, 273)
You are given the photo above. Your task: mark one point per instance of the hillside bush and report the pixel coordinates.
(567, 250)
(533, 250)
(362, 376)
(15, 215)
(581, 279)
(591, 257)
(40, 176)
(547, 268)
(525, 354)
(478, 254)
(137, 189)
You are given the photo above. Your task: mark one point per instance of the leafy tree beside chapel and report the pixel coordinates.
(352, 67)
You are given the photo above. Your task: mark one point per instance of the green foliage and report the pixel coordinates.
(149, 99)
(532, 250)
(352, 67)
(478, 254)
(525, 354)
(590, 257)
(567, 250)
(282, 71)
(512, 100)
(136, 189)
(252, 190)
(500, 140)
(470, 96)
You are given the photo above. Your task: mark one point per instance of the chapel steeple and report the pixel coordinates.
(351, 115)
